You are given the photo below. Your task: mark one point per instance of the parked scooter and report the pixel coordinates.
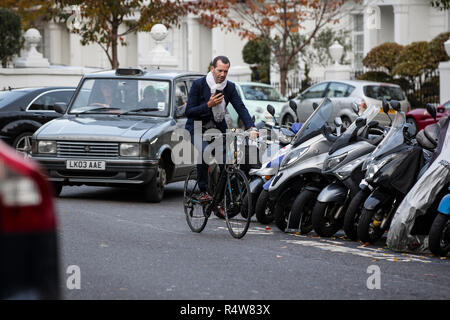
(301, 166)
(439, 237)
(258, 177)
(391, 171)
(343, 168)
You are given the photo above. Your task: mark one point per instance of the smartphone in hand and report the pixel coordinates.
(218, 92)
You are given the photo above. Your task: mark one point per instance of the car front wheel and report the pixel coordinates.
(22, 143)
(154, 191)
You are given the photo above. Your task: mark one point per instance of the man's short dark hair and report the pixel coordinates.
(224, 60)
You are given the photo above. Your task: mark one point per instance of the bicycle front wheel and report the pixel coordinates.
(238, 209)
(193, 209)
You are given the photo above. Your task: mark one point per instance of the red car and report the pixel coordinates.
(28, 239)
(420, 118)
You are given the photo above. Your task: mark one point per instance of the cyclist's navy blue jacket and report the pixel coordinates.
(197, 105)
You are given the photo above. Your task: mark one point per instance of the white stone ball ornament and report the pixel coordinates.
(159, 32)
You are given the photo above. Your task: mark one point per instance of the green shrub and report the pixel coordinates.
(10, 35)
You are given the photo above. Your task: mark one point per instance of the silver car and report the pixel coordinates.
(343, 93)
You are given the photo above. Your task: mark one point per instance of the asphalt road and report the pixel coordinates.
(126, 248)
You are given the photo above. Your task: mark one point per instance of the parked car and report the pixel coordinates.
(23, 111)
(419, 118)
(28, 241)
(343, 93)
(117, 131)
(256, 96)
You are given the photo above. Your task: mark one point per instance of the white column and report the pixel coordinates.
(75, 50)
(193, 44)
(444, 75)
(401, 24)
(55, 38)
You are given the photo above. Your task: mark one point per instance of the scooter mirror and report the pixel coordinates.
(409, 129)
(338, 121)
(355, 107)
(396, 105)
(385, 106)
(431, 110)
(315, 105)
(361, 122)
(271, 110)
(293, 105)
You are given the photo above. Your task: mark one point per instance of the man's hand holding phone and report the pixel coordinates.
(215, 99)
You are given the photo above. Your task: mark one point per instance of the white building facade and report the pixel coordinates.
(192, 46)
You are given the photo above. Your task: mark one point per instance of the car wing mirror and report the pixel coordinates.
(431, 109)
(60, 107)
(293, 105)
(315, 105)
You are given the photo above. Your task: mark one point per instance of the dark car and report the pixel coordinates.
(420, 118)
(23, 111)
(118, 131)
(29, 263)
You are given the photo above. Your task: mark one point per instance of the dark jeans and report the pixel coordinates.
(202, 168)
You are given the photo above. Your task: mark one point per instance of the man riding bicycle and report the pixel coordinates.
(207, 103)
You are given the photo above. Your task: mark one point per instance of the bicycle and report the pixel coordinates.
(230, 189)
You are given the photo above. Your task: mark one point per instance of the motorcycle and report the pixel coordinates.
(301, 167)
(343, 168)
(391, 170)
(439, 237)
(259, 177)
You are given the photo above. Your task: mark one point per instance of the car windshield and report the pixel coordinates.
(146, 97)
(379, 92)
(6, 97)
(313, 126)
(262, 93)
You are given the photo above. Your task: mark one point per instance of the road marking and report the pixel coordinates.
(253, 230)
(361, 251)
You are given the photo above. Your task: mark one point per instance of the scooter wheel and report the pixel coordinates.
(439, 240)
(366, 231)
(323, 220)
(301, 212)
(263, 209)
(353, 214)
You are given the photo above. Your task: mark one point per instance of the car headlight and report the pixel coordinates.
(293, 156)
(129, 149)
(334, 161)
(47, 147)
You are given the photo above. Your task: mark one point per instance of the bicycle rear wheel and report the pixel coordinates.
(194, 211)
(237, 211)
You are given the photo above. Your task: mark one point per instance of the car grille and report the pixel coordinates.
(87, 149)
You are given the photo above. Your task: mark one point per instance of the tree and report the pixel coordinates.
(414, 60)
(441, 4)
(31, 11)
(101, 21)
(257, 52)
(385, 55)
(10, 35)
(278, 22)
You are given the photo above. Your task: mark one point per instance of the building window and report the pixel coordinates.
(358, 40)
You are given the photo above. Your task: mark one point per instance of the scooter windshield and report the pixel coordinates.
(316, 121)
(369, 114)
(393, 139)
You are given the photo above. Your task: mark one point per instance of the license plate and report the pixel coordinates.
(85, 165)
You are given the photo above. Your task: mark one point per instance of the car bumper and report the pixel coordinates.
(117, 171)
